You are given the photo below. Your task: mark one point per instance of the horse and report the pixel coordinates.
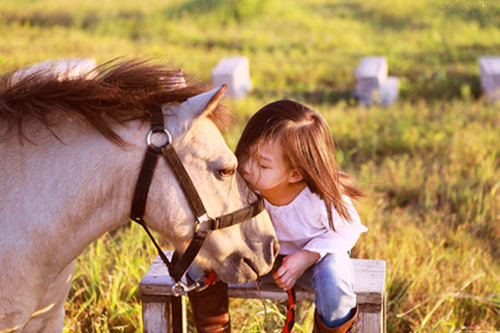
(71, 151)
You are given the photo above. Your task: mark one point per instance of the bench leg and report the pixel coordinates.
(164, 314)
(371, 318)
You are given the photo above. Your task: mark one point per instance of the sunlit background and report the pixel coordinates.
(429, 162)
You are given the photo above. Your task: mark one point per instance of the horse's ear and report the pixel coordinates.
(193, 108)
(214, 100)
(202, 104)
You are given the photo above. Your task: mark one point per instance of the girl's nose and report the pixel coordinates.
(245, 169)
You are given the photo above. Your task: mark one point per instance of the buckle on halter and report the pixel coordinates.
(203, 219)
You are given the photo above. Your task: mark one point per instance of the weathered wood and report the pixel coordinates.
(370, 322)
(370, 280)
(369, 287)
(164, 314)
(233, 72)
(154, 312)
(490, 77)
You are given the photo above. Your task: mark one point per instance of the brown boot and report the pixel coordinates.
(211, 309)
(320, 327)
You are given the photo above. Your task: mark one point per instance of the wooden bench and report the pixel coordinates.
(163, 312)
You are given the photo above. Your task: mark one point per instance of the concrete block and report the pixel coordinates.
(490, 77)
(234, 72)
(389, 92)
(373, 86)
(372, 68)
(65, 68)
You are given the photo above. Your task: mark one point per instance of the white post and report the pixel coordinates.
(490, 77)
(373, 86)
(65, 68)
(234, 72)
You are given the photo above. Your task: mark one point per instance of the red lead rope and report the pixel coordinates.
(211, 278)
(290, 313)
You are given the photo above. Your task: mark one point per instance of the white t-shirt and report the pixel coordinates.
(303, 225)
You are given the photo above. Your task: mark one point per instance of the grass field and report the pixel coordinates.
(430, 164)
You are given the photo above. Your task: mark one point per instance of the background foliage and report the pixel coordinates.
(429, 164)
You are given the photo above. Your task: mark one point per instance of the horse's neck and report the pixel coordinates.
(70, 193)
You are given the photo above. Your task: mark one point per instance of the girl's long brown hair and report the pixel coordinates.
(307, 145)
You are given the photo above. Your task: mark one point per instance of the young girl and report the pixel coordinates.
(286, 153)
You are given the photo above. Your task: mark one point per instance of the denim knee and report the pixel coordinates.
(333, 282)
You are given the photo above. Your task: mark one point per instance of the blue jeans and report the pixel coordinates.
(331, 279)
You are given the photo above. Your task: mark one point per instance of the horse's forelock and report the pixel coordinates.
(119, 90)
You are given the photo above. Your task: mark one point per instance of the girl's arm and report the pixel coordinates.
(292, 268)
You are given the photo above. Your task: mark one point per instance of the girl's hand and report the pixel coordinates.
(293, 266)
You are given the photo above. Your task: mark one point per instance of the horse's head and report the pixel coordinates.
(238, 253)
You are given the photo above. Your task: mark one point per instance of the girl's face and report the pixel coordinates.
(267, 172)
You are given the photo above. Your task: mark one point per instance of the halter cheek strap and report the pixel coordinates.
(204, 224)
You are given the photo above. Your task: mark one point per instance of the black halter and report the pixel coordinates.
(204, 223)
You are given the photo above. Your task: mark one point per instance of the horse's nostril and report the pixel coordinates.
(251, 265)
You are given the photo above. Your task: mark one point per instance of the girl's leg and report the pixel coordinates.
(332, 279)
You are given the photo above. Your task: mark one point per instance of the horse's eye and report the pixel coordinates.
(227, 172)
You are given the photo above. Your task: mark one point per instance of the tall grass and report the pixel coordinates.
(429, 164)
(105, 296)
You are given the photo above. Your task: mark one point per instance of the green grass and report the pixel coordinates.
(429, 164)
(105, 296)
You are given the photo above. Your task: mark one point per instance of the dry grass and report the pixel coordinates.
(430, 164)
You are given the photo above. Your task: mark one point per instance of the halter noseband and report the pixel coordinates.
(204, 223)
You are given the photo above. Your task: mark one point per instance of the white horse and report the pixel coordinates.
(70, 154)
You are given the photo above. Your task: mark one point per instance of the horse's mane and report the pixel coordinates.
(118, 90)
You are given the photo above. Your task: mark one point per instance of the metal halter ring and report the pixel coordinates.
(164, 131)
(202, 219)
